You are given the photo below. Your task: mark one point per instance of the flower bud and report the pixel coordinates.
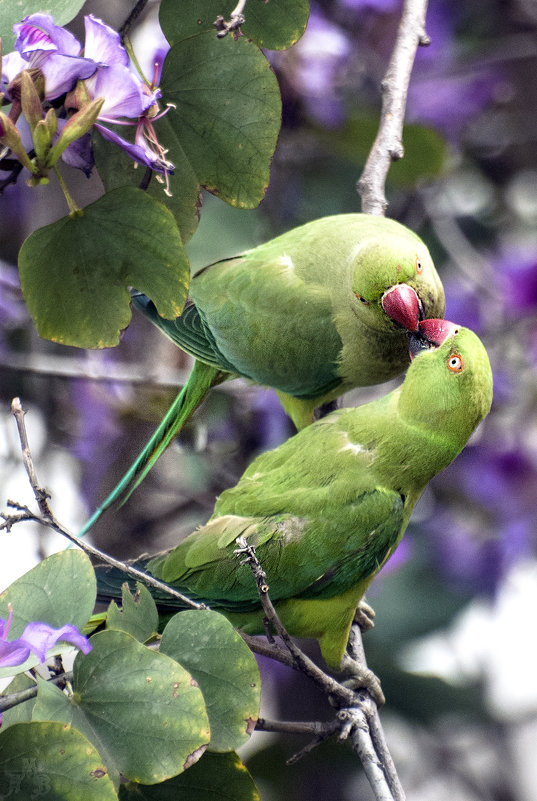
(42, 140)
(30, 100)
(10, 137)
(79, 124)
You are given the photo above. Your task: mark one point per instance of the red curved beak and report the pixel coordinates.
(402, 305)
(437, 331)
(430, 334)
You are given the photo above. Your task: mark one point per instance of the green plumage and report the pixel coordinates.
(302, 313)
(327, 508)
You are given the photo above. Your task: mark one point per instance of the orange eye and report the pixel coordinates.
(361, 299)
(455, 363)
(419, 265)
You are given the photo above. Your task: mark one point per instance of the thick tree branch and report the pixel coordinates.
(388, 145)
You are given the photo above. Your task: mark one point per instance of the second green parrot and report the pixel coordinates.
(313, 313)
(327, 509)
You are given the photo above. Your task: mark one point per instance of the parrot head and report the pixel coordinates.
(448, 386)
(396, 284)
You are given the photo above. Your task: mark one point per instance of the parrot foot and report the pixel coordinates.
(361, 677)
(364, 616)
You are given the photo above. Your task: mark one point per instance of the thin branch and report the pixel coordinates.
(388, 145)
(55, 366)
(355, 647)
(353, 720)
(299, 659)
(10, 700)
(47, 518)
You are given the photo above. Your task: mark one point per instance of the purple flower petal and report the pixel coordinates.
(123, 93)
(141, 154)
(12, 65)
(103, 44)
(62, 72)
(13, 653)
(38, 32)
(40, 637)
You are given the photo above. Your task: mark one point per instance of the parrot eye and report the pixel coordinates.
(361, 299)
(419, 265)
(455, 363)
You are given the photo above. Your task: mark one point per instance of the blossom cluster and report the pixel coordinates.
(100, 86)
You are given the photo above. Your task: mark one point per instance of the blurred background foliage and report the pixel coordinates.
(455, 643)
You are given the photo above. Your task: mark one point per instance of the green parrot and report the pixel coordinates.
(312, 313)
(327, 509)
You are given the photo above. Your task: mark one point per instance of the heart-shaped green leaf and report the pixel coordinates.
(75, 272)
(142, 710)
(51, 762)
(208, 646)
(227, 113)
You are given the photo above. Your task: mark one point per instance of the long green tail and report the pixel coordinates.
(202, 378)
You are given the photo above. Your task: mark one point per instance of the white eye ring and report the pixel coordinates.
(455, 363)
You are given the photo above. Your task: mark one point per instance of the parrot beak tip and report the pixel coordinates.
(431, 333)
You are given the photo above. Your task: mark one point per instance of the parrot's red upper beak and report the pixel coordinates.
(437, 331)
(431, 334)
(402, 305)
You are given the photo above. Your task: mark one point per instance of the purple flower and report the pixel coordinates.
(125, 94)
(37, 637)
(42, 45)
(128, 99)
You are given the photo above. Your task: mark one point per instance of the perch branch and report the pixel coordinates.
(388, 145)
(355, 713)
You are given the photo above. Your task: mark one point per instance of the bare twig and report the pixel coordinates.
(47, 518)
(353, 719)
(236, 19)
(355, 648)
(9, 700)
(388, 145)
(299, 659)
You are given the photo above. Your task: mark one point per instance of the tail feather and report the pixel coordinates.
(202, 378)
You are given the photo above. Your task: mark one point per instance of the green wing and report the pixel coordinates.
(304, 557)
(272, 324)
(188, 331)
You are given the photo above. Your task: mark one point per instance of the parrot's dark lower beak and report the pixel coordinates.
(402, 305)
(430, 334)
